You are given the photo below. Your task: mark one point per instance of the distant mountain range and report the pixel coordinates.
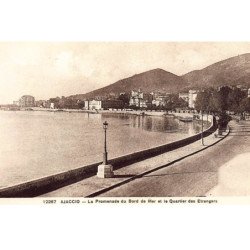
(232, 71)
(149, 81)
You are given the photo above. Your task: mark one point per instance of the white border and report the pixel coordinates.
(130, 20)
(110, 227)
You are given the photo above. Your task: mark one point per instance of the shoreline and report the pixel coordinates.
(160, 113)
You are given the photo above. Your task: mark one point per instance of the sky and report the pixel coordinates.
(50, 69)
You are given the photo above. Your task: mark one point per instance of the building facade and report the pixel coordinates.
(93, 104)
(140, 99)
(192, 95)
(27, 101)
(160, 99)
(248, 93)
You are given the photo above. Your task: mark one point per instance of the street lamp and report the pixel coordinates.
(202, 138)
(105, 153)
(105, 170)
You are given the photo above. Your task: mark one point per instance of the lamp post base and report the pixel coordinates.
(105, 171)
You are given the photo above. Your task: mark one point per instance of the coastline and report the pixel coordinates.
(182, 114)
(119, 111)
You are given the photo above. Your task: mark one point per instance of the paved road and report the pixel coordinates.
(193, 176)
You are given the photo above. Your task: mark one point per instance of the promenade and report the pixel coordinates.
(181, 172)
(234, 174)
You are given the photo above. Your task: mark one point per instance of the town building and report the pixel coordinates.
(159, 99)
(242, 87)
(184, 96)
(140, 99)
(192, 95)
(103, 105)
(93, 104)
(27, 101)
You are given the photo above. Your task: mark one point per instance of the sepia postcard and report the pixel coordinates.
(125, 122)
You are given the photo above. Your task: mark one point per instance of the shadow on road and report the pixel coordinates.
(180, 173)
(123, 175)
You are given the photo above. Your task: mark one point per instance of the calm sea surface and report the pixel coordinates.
(36, 144)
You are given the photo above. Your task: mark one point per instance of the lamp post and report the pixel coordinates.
(202, 138)
(105, 153)
(105, 170)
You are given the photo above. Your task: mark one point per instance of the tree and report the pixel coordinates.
(81, 104)
(203, 101)
(218, 102)
(234, 100)
(244, 106)
(55, 101)
(125, 97)
(175, 102)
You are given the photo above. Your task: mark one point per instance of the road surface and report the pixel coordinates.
(193, 176)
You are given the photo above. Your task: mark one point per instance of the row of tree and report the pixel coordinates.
(67, 103)
(209, 100)
(226, 99)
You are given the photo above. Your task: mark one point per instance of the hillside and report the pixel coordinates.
(232, 71)
(153, 80)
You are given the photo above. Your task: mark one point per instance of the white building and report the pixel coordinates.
(248, 92)
(92, 105)
(52, 105)
(159, 101)
(192, 95)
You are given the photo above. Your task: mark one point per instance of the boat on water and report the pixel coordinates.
(169, 115)
(186, 119)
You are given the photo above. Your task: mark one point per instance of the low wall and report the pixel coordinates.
(41, 186)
